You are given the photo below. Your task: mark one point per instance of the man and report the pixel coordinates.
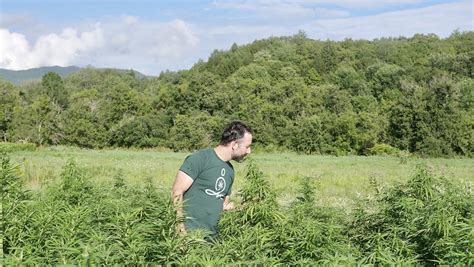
(203, 184)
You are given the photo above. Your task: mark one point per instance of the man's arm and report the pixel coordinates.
(181, 185)
(228, 205)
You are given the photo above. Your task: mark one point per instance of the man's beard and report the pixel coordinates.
(239, 158)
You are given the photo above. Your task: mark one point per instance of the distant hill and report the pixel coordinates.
(20, 76)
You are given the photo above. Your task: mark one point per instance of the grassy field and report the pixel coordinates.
(339, 179)
(64, 219)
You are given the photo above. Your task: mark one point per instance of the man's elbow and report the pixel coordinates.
(177, 193)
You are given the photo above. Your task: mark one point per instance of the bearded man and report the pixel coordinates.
(204, 181)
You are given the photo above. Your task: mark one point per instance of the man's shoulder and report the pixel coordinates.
(194, 163)
(202, 153)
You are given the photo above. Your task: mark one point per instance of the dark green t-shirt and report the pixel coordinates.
(213, 179)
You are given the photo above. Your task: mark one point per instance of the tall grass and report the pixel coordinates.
(12, 147)
(74, 222)
(341, 179)
(425, 219)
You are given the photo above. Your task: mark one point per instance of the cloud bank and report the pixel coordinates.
(441, 19)
(151, 46)
(62, 49)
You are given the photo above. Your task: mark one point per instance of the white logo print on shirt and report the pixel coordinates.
(220, 186)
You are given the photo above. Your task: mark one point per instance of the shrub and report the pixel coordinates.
(76, 223)
(14, 212)
(314, 233)
(383, 149)
(426, 220)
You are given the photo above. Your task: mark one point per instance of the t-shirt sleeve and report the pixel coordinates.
(192, 166)
(229, 192)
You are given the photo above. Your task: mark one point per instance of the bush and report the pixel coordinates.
(426, 220)
(14, 212)
(383, 149)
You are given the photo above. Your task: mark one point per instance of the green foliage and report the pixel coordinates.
(307, 135)
(53, 85)
(261, 232)
(144, 131)
(314, 232)
(14, 211)
(75, 223)
(259, 206)
(74, 187)
(420, 221)
(119, 181)
(426, 220)
(194, 132)
(9, 96)
(383, 149)
(414, 94)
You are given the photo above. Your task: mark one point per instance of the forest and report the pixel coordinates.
(352, 97)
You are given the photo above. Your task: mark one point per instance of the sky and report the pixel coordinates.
(154, 36)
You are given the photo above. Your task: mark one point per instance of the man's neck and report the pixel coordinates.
(223, 153)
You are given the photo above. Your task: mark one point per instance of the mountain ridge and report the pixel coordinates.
(20, 76)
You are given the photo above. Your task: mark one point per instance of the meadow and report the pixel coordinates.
(339, 179)
(64, 205)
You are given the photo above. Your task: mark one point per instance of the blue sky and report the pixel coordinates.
(152, 36)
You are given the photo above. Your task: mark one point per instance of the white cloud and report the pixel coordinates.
(440, 19)
(130, 20)
(362, 3)
(122, 42)
(23, 23)
(279, 9)
(152, 46)
(53, 49)
(12, 47)
(172, 39)
(330, 13)
(146, 46)
(297, 8)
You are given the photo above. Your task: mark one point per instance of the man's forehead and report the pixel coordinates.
(247, 137)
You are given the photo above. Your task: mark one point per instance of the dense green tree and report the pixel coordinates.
(119, 101)
(9, 99)
(349, 79)
(307, 135)
(384, 77)
(337, 101)
(442, 117)
(194, 132)
(149, 130)
(327, 59)
(39, 122)
(53, 86)
(84, 126)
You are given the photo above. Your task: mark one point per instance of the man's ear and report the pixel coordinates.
(235, 145)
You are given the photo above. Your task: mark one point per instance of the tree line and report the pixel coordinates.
(311, 96)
